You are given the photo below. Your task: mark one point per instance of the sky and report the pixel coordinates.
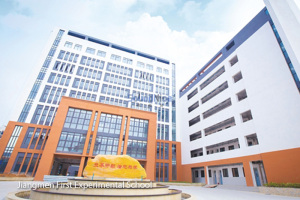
(188, 33)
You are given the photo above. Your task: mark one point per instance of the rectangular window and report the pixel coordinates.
(195, 136)
(231, 147)
(140, 64)
(27, 137)
(159, 69)
(101, 53)
(237, 77)
(225, 172)
(233, 61)
(150, 67)
(115, 57)
(192, 94)
(246, 116)
(197, 152)
(18, 162)
(166, 71)
(252, 140)
(193, 107)
(45, 93)
(68, 44)
(241, 95)
(235, 172)
(37, 114)
(220, 126)
(26, 162)
(78, 47)
(90, 50)
(215, 92)
(212, 78)
(217, 108)
(127, 61)
(194, 120)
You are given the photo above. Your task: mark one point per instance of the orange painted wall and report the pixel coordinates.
(5, 139)
(56, 129)
(169, 161)
(280, 166)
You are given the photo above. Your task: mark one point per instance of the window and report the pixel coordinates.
(166, 71)
(233, 61)
(235, 172)
(137, 142)
(212, 78)
(231, 44)
(195, 136)
(101, 53)
(193, 107)
(90, 50)
(217, 108)
(197, 152)
(27, 138)
(220, 126)
(78, 47)
(215, 92)
(209, 173)
(192, 94)
(246, 116)
(150, 67)
(241, 95)
(127, 61)
(225, 172)
(196, 174)
(231, 147)
(78, 119)
(159, 69)
(115, 57)
(237, 77)
(71, 142)
(220, 147)
(202, 173)
(194, 120)
(68, 44)
(140, 64)
(252, 139)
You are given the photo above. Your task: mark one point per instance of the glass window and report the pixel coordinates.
(159, 69)
(27, 137)
(26, 162)
(78, 47)
(115, 57)
(225, 172)
(235, 172)
(101, 53)
(18, 162)
(90, 50)
(166, 71)
(68, 44)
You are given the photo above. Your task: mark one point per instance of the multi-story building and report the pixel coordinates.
(87, 68)
(240, 113)
(84, 67)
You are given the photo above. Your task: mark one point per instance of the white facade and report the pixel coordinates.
(135, 79)
(272, 97)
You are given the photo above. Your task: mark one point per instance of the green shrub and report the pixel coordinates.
(286, 185)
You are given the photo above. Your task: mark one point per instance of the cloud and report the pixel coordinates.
(191, 11)
(143, 25)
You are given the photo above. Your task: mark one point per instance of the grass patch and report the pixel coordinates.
(283, 185)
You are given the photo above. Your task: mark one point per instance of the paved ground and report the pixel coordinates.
(201, 193)
(229, 193)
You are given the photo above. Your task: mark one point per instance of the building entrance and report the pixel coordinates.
(198, 175)
(65, 166)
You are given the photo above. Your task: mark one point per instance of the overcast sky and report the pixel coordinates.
(188, 33)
